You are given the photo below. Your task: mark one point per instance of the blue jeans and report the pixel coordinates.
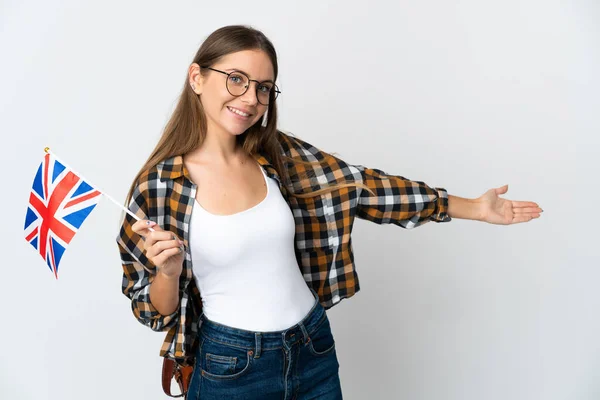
(297, 363)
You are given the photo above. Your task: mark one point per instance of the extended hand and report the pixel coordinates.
(496, 210)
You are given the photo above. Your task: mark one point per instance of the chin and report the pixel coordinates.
(236, 129)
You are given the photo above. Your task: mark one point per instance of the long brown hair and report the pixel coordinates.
(186, 129)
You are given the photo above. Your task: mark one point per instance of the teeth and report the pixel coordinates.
(243, 114)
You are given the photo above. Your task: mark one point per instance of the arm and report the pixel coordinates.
(139, 273)
(136, 285)
(412, 203)
(395, 200)
(409, 203)
(164, 293)
(400, 201)
(462, 208)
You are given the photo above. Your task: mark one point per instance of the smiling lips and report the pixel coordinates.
(240, 113)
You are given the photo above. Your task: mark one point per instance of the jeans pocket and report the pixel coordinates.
(321, 341)
(223, 361)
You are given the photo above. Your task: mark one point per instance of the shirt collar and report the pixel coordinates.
(173, 167)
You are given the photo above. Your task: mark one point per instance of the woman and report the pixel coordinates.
(244, 237)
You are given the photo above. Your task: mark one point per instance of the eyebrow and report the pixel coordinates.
(239, 70)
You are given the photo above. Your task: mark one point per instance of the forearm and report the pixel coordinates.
(462, 208)
(164, 293)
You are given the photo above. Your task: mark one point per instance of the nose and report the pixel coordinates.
(250, 96)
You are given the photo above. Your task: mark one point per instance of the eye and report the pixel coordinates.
(264, 88)
(236, 79)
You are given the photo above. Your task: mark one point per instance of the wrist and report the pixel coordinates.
(463, 208)
(478, 206)
(167, 278)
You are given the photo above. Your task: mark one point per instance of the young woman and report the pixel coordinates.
(250, 231)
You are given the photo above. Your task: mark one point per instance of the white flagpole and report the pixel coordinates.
(47, 150)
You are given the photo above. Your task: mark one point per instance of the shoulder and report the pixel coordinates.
(293, 146)
(163, 170)
(151, 180)
(331, 165)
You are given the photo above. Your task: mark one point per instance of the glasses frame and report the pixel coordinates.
(275, 89)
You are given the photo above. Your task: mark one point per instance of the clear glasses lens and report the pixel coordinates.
(263, 92)
(237, 84)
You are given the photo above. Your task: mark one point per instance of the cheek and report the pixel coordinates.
(260, 114)
(214, 101)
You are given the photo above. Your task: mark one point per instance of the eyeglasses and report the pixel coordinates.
(238, 83)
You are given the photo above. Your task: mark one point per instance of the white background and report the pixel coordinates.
(465, 95)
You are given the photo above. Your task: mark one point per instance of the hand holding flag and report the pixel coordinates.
(161, 247)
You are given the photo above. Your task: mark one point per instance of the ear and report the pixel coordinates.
(195, 78)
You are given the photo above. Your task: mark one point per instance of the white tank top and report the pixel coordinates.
(245, 266)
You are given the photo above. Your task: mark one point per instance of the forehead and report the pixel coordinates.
(255, 63)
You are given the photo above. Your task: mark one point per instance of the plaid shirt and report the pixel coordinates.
(165, 194)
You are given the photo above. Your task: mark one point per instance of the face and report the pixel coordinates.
(226, 113)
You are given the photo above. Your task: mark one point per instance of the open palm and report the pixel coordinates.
(499, 211)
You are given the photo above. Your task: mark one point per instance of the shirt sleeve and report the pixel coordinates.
(400, 201)
(139, 271)
(396, 199)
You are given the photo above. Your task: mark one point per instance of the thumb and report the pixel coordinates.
(153, 226)
(502, 190)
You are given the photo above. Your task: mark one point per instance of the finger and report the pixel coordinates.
(527, 210)
(161, 235)
(162, 245)
(157, 236)
(524, 218)
(521, 204)
(142, 226)
(164, 256)
(153, 226)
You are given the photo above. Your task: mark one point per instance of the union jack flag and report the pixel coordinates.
(58, 204)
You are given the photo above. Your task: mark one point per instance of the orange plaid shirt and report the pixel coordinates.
(165, 194)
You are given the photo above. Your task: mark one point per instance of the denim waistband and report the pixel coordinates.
(266, 340)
